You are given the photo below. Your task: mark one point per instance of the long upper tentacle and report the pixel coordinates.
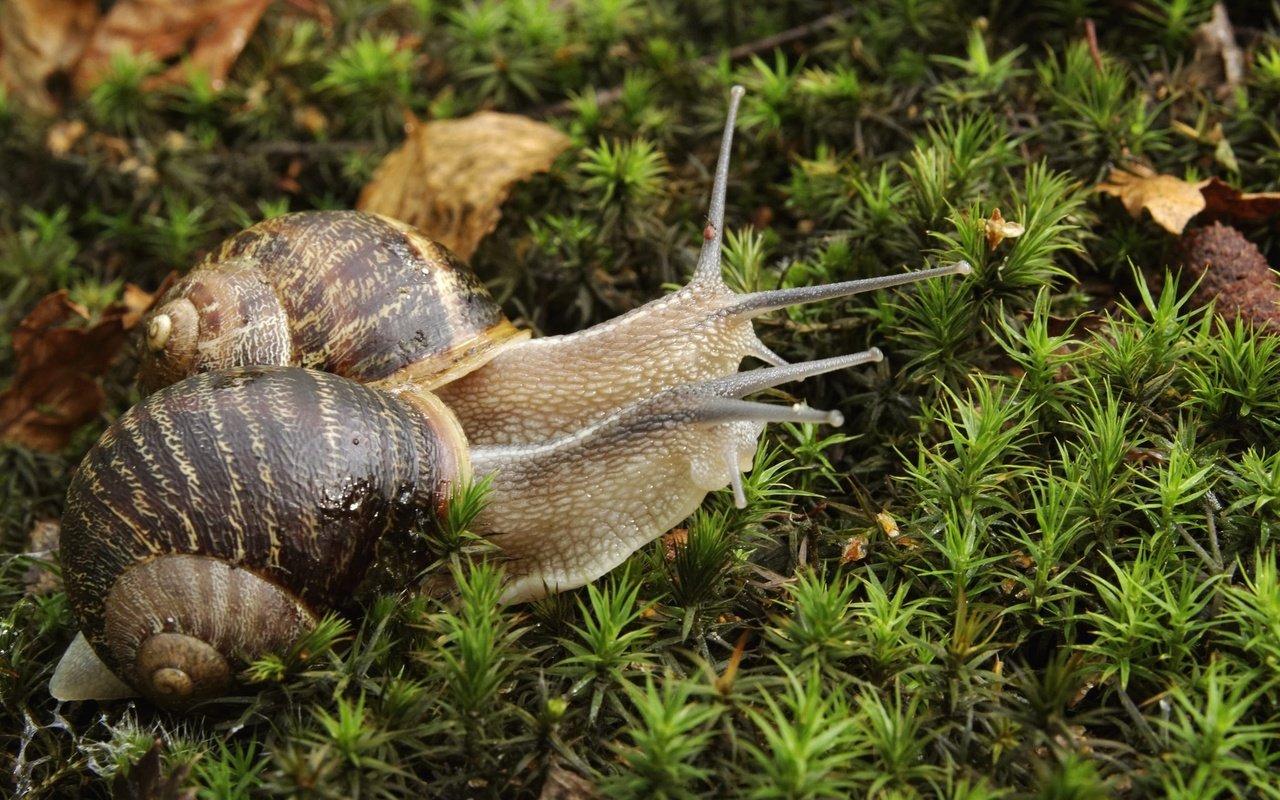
(539, 389)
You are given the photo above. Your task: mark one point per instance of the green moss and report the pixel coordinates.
(1071, 589)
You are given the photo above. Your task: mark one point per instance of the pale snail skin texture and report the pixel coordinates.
(607, 439)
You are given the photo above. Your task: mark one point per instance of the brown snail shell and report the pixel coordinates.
(348, 292)
(216, 520)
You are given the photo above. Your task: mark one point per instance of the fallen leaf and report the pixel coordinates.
(1225, 199)
(888, 524)
(1218, 62)
(138, 301)
(63, 135)
(42, 546)
(146, 780)
(211, 33)
(562, 784)
(55, 389)
(41, 40)
(1171, 201)
(450, 177)
(1021, 560)
(1081, 693)
(855, 549)
(673, 541)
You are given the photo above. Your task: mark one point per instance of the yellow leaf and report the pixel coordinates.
(450, 177)
(1172, 202)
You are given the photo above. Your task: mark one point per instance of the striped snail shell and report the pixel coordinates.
(347, 292)
(218, 518)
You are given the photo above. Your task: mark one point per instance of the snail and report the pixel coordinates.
(368, 298)
(213, 522)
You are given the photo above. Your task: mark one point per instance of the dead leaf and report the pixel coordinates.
(1171, 201)
(138, 301)
(1225, 199)
(146, 780)
(1218, 62)
(450, 177)
(673, 542)
(63, 135)
(41, 40)
(211, 33)
(855, 549)
(888, 524)
(562, 784)
(55, 389)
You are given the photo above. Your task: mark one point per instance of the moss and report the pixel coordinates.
(1065, 477)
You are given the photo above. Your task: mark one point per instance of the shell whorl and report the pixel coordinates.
(181, 626)
(286, 477)
(352, 293)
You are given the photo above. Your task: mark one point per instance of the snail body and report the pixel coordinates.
(207, 528)
(256, 479)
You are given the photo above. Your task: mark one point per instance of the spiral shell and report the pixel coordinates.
(352, 293)
(214, 521)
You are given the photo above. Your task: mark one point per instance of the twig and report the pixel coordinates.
(1091, 36)
(1215, 566)
(785, 37)
(1139, 720)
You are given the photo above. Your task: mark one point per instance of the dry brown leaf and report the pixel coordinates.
(854, 550)
(39, 41)
(146, 780)
(563, 784)
(138, 301)
(55, 389)
(888, 524)
(450, 177)
(1171, 201)
(1225, 199)
(673, 542)
(63, 135)
(42, 547)
(1218, 62)
(210, 32)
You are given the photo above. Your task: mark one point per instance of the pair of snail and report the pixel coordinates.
(321, 382)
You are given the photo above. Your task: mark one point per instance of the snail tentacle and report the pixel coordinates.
(538, 389)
